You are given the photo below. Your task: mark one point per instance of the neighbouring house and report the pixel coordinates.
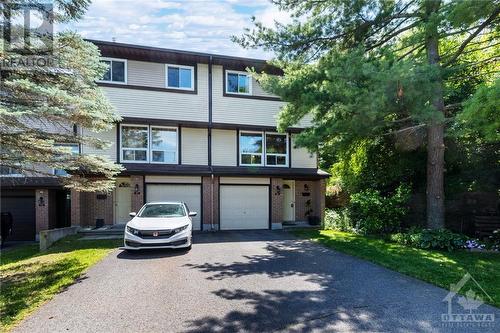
(197, 128)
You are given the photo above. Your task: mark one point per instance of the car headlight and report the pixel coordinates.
(181, 228)
(132, 231)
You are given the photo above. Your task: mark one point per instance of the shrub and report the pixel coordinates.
(373, 213)
(431, 239)
(338, 220)
(494, 240)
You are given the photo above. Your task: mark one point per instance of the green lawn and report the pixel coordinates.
(29, 277)
(437, 267)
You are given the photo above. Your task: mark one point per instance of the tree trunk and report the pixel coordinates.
(435, 134)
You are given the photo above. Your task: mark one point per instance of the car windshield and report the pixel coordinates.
(163, 210)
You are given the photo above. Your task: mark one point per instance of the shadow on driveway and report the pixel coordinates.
(320, 290)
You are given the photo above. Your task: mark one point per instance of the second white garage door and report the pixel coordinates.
(190, 194)
(244, 207)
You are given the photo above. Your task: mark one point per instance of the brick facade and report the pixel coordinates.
(210, 203)
(137, 196)
(86, 208)
(276, 202)
(42, 210)
(315, 192)
(97, 206)
(76, 218)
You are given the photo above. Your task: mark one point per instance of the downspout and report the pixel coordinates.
(212, 178)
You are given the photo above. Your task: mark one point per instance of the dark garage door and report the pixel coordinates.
(23, 216)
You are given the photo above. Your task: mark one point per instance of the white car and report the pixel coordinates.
(160, 225)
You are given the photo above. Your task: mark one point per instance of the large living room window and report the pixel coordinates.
(163, 145)
(276, 149)
(134, 141)
(238, 83)
(251, 148)
(259, 148)
(117, 70)
(153, 144)
(180, 77)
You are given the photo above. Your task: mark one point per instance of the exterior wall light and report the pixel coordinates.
(278, 190)
(136, 189)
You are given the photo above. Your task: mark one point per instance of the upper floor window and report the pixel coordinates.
(238, 83)
(6, 171)
(143, 143)
(74, 149)
(180, 77)
(258, 148)
(117, 70)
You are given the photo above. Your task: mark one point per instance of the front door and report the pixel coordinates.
(123, 198)
(289, 200)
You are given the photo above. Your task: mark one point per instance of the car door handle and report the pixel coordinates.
(291, 205)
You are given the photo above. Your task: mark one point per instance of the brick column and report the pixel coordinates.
(75, 208)
(276, 203)
(137, 197)
(320, 196)
(102, 204)
(210, 202)
(42, 210)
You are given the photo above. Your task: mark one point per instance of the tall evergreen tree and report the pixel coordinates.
(47, 105)
(372, 67)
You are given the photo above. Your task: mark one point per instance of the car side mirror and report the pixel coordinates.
(133, 214)
(192, 214)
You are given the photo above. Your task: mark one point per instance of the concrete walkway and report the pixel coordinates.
(263, 281)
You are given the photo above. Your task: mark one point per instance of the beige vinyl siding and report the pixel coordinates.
(245, 111)
(224, 147)
(162, 104)
(194, 148)
(108, 136)
(258, 91)
(142, 73)
(243, 180)
(301, 158)
(173, 179)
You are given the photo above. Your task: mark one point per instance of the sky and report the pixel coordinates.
(194, 25)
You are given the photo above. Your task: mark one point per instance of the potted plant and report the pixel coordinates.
(311, 219)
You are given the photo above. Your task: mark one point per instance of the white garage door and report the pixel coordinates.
(244, 207)
(190, 194)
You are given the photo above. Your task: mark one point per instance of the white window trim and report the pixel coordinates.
(263, 148)
(125, 69)
(179, 66)
(141, 149)
(176, 144)
(274, 154)
(149, 148)
(239, 73)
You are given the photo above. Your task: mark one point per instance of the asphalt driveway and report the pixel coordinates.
(258, 281)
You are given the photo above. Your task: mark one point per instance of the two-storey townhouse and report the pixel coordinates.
(198, 128)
